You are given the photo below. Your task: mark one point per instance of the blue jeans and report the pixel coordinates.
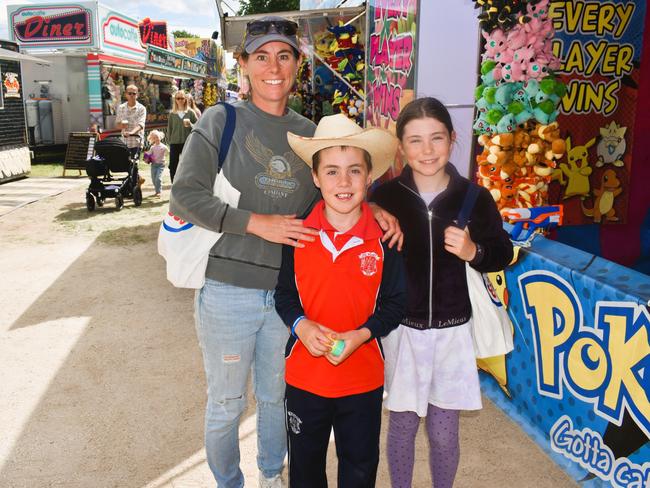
(238, 328)
(156, 176)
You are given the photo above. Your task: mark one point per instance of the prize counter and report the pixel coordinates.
(577, 380)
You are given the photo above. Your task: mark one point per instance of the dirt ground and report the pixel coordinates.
(102, 382)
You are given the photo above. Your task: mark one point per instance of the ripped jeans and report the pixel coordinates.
(238, 328)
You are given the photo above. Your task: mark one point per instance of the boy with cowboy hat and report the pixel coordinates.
(339, 294)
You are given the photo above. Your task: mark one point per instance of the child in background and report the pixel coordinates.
(345, 286)
(155, 156)
(430, 363)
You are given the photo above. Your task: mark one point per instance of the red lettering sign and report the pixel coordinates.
(69, 26)
(154, 33)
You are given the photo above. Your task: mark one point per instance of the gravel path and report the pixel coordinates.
(102, 382)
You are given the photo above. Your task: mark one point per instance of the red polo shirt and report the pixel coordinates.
(338, 278)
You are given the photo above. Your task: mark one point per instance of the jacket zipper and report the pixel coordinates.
(430, 213)
(430, 218)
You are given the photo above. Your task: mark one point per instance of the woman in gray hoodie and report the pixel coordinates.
(236, 321)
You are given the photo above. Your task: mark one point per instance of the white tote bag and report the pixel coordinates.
(491, 326)
(186, 246)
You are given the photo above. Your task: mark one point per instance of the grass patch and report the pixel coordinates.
(49, 170)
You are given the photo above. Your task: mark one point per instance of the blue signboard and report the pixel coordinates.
(578, 380)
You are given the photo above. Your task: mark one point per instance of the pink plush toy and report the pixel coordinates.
(513, 71)
(495, 42)
(517, 37)
(525, 51)
(537, 10)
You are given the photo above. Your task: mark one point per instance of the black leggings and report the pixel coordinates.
(356, 420)
(174, 156)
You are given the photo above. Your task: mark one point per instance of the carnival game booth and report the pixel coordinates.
(577, 379)
(206, 92)
(15, 160)
(333, 42)
(95, 52)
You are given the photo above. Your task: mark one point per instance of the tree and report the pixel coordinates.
(183, 34)
(266, 6)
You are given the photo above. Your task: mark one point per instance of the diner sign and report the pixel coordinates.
(153, 33)
(52, 25)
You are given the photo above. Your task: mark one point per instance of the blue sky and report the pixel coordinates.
(197, 16)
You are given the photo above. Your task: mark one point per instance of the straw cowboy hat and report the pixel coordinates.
(338, 130)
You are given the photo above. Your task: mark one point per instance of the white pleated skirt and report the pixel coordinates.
(436, 366)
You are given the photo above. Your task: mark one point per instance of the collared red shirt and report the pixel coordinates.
(343, 281)
(366, 227)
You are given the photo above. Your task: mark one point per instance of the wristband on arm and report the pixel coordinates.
(293, 326)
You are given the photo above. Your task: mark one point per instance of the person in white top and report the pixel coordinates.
(131, 116)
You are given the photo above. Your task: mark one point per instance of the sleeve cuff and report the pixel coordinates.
(478, 257)
(293, 326)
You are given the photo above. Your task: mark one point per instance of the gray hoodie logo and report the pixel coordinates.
(276, 181)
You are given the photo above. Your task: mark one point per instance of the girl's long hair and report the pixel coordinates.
(175, 107)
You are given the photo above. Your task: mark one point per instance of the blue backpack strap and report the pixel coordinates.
(228, 131)
(468, 205)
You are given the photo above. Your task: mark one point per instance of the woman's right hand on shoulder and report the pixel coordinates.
(282, 229)
(315, 337)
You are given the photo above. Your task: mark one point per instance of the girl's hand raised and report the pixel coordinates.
(459, 243)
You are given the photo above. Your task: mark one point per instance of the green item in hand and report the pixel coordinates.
(337, 347)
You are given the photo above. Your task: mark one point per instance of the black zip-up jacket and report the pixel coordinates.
(436, 280)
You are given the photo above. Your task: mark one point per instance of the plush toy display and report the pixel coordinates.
(518, 166)
(339, 48)
(504, 14)
(304, 90)
(517, 103)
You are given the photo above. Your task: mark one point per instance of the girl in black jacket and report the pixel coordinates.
(430, 363)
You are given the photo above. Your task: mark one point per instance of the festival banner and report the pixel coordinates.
(203, 49)
(390, 56)
(161, 58)
(120, 35)
(577, 380)
(599, 44)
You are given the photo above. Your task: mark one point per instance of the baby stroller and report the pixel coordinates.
(112, 156)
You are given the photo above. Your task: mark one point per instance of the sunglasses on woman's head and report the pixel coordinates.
(261, 27)
(131, 93)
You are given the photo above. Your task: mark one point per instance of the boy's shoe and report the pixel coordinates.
(275, 482)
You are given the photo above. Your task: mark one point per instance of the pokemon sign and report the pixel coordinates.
(578, 380)
(600, 363)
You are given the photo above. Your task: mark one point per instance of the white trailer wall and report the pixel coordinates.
(447, 60)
